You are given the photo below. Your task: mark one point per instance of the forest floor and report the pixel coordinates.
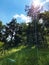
(24, 55)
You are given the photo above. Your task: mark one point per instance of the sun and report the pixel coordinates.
(36, 3)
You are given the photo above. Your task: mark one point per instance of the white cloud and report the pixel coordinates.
(23, 17)
(16, 16)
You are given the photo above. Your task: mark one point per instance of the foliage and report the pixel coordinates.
(13, 33)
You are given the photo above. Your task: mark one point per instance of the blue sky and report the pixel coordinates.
(9, 8)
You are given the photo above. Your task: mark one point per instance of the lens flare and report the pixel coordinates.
(39, 3)
(36, 3)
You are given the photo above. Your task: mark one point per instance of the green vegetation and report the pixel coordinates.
(24, 55)
(25, 44)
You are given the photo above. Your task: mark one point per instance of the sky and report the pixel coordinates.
(15, 8)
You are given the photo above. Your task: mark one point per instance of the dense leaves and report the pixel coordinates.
(13, 33)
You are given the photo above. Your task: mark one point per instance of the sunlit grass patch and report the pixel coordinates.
(1, 44)
(17, 49)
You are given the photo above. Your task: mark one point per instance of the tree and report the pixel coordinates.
(13, 32)
(24, 34)
(45, 25)
(45, 17)
(33, 13)
(0, 29)
(38, 30)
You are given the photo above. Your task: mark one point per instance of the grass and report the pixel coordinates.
(23, 55)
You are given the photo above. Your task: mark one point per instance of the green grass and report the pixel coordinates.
(23, 55)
